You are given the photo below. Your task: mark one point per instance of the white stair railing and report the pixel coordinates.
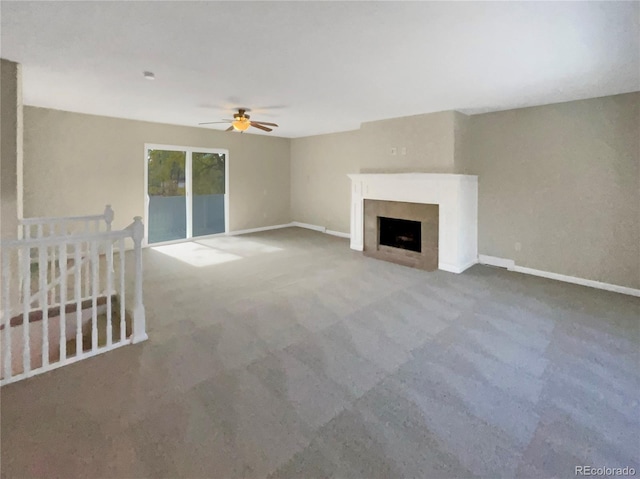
(40, 227)
(38, 328)
(65, 225)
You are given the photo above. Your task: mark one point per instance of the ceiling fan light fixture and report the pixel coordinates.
(241, 124)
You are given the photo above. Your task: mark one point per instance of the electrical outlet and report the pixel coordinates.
(518, 246)
(394, 151)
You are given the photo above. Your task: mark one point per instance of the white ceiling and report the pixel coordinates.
(317, 67)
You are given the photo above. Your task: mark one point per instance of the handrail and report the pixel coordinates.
(65, 225)
(43, 220)
(76, 238)
(61, 219)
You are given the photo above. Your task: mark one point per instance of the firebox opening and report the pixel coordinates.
(404, 234)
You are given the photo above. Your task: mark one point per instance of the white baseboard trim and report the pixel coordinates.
(581, 281)
(510, 265)
(321, 229)
(338, 233)
(308, 226)
(495, 261)
(256, 230)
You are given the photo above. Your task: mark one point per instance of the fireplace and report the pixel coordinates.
(401, 232)
(449, 219)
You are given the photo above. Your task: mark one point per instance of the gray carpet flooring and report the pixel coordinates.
(284, 354)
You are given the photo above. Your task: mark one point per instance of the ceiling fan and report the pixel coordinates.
(241, 122)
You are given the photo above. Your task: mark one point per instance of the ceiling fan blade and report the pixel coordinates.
(256, 125)
(265, 123)
(212, 122)
(230, 128)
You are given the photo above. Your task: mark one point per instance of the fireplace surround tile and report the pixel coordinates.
(425, 214)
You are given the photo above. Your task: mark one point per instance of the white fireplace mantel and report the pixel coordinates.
(456, 195)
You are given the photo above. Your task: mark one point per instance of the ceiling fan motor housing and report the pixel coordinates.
(241, 114)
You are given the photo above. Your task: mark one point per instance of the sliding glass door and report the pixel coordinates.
(208, 173)
(167, 201)
(185, 192)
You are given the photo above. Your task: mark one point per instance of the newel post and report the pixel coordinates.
(139, 321)
(108, 216)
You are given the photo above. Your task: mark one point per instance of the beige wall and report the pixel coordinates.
(75, 164)
(320, 189)
(429, 140)
(563, 180)
(10, 148)
(462, 143)
(10, 163)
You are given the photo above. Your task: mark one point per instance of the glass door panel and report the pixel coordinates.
(208, 191)
(167, 195)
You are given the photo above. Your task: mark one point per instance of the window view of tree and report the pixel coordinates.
(167, 173)
(208, 173)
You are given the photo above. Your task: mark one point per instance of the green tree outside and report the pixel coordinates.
(208, 173)
(167, 173)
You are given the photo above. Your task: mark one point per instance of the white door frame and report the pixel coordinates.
(189, 150)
